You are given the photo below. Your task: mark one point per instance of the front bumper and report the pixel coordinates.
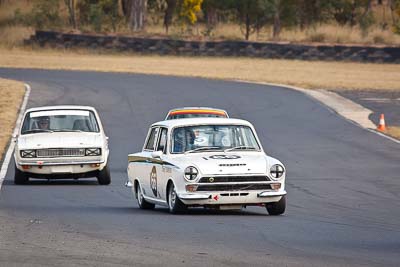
(60, 166)
(229, 198)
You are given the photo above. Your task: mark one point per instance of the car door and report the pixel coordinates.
(161, 169)
(147, 174)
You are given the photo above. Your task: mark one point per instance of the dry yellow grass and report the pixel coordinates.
(394, 131)
(11, 95)
(325, 33)
(14, 36)
(313, 75)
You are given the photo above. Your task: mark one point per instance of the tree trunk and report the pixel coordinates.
(277, 21)
(169, 13)
(71, 11)
(211, 16)
(126, 8)
(137, 15)
(392, 7)
(247, 33)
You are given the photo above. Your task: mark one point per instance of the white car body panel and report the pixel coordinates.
(62, 140)
(216, 164)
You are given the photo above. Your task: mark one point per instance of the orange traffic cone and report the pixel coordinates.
(382, 126)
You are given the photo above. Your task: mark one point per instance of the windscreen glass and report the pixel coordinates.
(60, 121)
(213, 137)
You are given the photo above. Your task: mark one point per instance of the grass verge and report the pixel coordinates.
(393, 131)
(11, 95)
(312, 75)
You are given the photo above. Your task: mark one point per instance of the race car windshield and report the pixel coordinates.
(59, 121)
(203, 138)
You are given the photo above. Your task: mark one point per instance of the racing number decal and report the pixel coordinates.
(153, 180)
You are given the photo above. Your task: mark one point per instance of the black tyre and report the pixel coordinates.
(143, 204)
(175, 205)
(277, 208)
(103, 177)
(20, 177)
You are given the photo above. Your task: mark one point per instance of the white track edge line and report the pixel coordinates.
(7, 158)
(305, 91)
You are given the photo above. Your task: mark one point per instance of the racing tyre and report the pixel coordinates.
(277, 208)
(103, 177)
(143, 204)
(175, 205)
(20, 177)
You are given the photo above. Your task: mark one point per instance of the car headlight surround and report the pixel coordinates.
(28, 153)
(191, 173)
(276, 171)
(93, 151)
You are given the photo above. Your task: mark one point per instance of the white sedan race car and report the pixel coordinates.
(210, 162)
(61, 142)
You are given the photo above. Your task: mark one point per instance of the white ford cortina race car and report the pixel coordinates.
(210, 162)
(61, 142)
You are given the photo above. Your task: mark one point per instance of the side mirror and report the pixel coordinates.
(156, 154)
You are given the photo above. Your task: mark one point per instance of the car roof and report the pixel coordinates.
(205, 109)
(60, 107)
(201, 121)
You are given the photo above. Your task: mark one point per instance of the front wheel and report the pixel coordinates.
(277, 208)
(104, 177)
(20, 177)
(175, 205)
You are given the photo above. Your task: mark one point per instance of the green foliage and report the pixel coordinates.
(253, 14)
(45, 14)
(99, 13)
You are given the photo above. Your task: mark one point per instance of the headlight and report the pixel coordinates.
(276, 171)
(93, 151)
(191, 173)
(28, 153)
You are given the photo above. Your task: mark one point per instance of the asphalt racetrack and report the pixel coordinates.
(343, 185)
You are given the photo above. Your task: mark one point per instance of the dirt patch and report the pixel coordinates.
(11, 95)
(394, 131)
(312, 75)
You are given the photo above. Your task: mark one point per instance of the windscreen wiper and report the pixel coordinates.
(37, 131)
(203, 148)
(240, 147)
(68, 130)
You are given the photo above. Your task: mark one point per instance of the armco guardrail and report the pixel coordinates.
(219, 48)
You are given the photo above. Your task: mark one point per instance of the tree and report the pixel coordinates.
(135, 13)
(396, 8)
(71, 11)
(46, 13)
(189, 9)
(98, 13)
(169, 12)
(253, 14)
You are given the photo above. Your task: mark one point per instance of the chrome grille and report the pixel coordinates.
(60, 152)
(225, 179)
(233, 187)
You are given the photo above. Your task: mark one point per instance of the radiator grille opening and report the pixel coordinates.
(60, 152)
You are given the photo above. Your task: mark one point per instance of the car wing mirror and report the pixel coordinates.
(156, 154)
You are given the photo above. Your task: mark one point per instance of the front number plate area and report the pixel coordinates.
(61, 169)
